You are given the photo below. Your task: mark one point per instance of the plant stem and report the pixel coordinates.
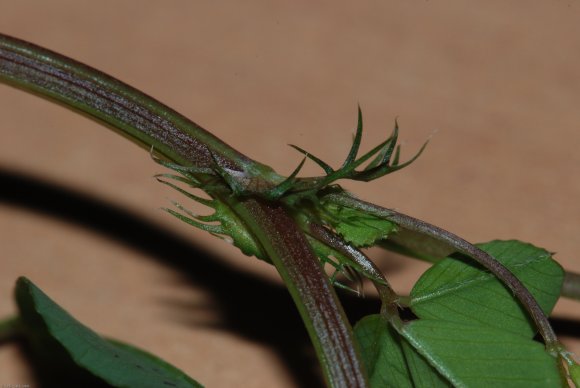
(154, 125)
(317, 302)
(130, 112)
(570, 288)
(466, 248)
(367, 267)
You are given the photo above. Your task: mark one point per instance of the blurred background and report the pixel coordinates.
(494, 84)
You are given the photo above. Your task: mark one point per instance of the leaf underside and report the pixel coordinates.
(390, 360)
(481, 356)
(470, 332)
(456, 290)
(72, 349)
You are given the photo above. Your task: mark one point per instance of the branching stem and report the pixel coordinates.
(462, 246)
(367, 267)
(128, 111)
(177, 139)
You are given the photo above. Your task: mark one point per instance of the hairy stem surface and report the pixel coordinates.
(310, 288)
(128, 111)
(151, 124)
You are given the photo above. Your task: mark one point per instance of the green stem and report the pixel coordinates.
(128, 111)
(304, 277)
(154, 125)
(367, 267)
(466, 248)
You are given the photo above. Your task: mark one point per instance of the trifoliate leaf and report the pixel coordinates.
(470, 329)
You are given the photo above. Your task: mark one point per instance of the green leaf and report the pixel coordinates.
(471, 355)
(59, 338)
(389, 360)
(418, 245)
(471, 330)
(457, 290)
(357, 227)
(574, 370)
(422, 373)
(382, 353)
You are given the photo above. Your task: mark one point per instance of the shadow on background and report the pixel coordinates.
(278, 326)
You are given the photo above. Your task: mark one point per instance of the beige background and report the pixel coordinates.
(497, 81)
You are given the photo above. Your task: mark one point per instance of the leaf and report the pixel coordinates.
(357, 227)
(471, 355)
(574, 371)
(389, 360)
(59, 338)
(470, 330)
(422, 373)
(418, 245)
(457, 290)
(382, 353)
